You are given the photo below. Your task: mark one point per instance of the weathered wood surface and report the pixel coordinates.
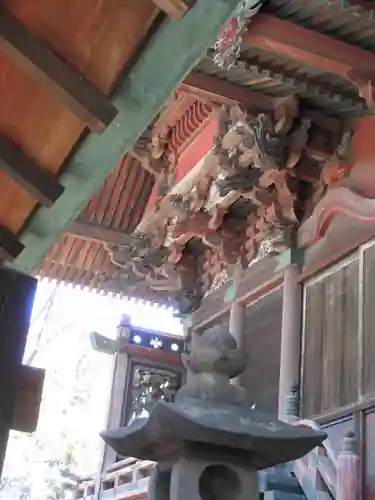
(175, 9)
(138, 103)
(116, 398)
(37, 182)
(368, 321)
(262, 334)
(330, 357)
(369, 450)
(348, 470)
(28, 398)
(36, 59)
(336, 244)
(97, 42)
(260, 278)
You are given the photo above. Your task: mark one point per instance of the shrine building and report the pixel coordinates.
(217, 157)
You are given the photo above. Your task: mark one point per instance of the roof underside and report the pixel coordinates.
(277, 76)
(82, 261)
(341, 19)
(119, 207)
(82, 81)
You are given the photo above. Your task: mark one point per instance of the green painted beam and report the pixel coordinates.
(171, 54)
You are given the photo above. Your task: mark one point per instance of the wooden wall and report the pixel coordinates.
(262, 338)
(331, 351)
(337, 369)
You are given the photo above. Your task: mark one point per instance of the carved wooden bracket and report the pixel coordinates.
(269, 163)
(337, 201)
(175, 9)
(365, 85)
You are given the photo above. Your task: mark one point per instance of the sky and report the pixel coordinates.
(96, 312)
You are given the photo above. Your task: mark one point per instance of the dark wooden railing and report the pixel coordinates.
(325, 475)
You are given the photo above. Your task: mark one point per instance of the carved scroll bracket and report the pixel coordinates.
(338, 201)
(365, 85)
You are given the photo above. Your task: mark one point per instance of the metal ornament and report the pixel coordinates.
(228, 44)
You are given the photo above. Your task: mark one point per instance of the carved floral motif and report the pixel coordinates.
(228, 44)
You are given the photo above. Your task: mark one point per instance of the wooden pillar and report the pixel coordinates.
(116, 398)
(17, 292)
(237, 313)
(348, 470)
(291, 333)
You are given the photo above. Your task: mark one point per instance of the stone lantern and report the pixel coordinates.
(208, 444)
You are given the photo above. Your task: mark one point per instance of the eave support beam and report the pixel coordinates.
(222, 92)
(89, 231)
(314, 49)
(36, 59)
(167, 59)
(175, 9)
(40, 184)
(10, 245)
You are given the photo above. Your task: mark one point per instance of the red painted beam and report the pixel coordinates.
(222, 92)
(214, 90)
(307, 46)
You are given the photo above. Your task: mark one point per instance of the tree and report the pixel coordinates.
(42, 465)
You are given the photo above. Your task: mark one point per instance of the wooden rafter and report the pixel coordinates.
(39, 183)
(139, 97)
(87, 230)
(10, 245)
(175, 9)
(34, 57)
(307, 46)
(152, 165)
(28, 397)
(222, 92)
(278, 36)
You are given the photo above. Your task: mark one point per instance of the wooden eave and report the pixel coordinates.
(43, 120)
(279, 58)
(349, 21)
(80, 257)
(268, 68)
(56, 78)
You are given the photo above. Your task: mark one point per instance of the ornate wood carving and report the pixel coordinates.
(338, 201)
(266, 161)
(228, 43)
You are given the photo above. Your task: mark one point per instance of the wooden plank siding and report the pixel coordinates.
(338, 374)
(262, 338)
(369, 454)
(368, 321)
(331, 342)
(338, 337)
